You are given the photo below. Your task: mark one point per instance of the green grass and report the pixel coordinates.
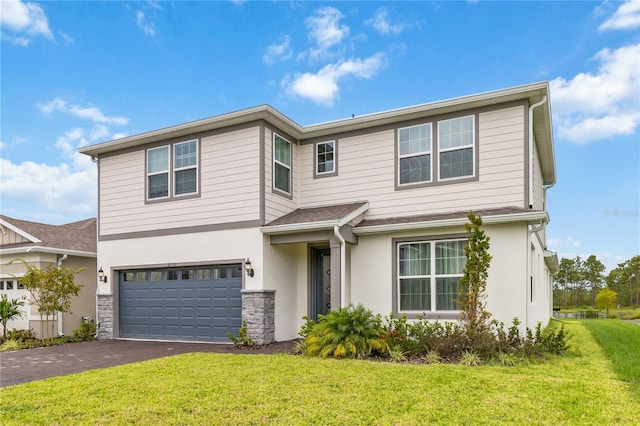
(581, 388)
(621, 342)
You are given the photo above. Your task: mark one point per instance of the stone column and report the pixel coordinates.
(105, 316)
(258, 311)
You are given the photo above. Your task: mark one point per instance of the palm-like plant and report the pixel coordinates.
(9, 310)
(350, 332)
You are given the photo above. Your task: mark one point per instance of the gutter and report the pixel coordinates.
(52, 250)
(531, 108)
(533, 216)
(60, 333)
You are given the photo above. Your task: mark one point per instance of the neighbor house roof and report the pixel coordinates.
(72, 238)
(532, 93)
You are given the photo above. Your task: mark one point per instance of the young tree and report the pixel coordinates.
(606, 299)
(51, 290)
(473, 314)
(9, 310)
(593, 274)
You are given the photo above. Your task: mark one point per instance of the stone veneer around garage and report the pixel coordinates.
(258, 311)
(105, 316)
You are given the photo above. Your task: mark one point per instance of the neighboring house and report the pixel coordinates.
(251, 216)
(72, 245)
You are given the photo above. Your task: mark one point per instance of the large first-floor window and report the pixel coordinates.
(429, 275)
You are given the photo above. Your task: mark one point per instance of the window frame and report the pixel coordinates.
(400, 156)
(316, 162)
(471, 146)
(433, 313)
(171, 171)
(275, 162)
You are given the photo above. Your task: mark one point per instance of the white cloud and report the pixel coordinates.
(322, 87)
(88, 113)
(627, 17)
(25, 20)
(60, 190)
(281, 51)
(144, 24)
(325, 31)
(600, 105)
(381, 23)
(563, 242)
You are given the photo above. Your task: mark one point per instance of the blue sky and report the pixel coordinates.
(78, 73)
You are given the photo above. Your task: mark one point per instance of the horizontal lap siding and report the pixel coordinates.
(229, 188)
(366, 167)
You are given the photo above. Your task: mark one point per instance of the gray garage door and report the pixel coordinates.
(199, 303)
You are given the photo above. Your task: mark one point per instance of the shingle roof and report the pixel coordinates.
(441, 216)
(77, 236)
(317, 214)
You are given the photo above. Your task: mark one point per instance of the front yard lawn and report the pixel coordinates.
(581, 388)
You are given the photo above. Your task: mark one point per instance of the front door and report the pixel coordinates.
(320, 282)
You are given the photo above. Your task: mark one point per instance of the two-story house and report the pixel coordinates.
(251, 216)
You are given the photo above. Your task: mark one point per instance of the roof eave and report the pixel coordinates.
(299, 227)
(50, 250)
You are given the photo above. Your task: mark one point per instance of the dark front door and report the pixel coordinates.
(320, 282)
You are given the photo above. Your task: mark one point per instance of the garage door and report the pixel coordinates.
(199, 304)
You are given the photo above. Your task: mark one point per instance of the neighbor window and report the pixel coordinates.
(325, 158)
(281, 164)
(429, 275)
(455, 147)
(414, 154)
(183, 159)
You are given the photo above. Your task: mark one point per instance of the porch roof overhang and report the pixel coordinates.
(317, 219)
(551, 260)
(489, 217)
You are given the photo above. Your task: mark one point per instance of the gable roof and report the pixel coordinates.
(532, 93)
(73, 238)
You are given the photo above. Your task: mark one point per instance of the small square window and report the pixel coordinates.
(326, 159)
(157, 276)
(9, 284)
(203, 274)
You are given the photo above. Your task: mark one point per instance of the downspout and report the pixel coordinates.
(534, 229)
(60, 333)
(343, 266)
(531, 108)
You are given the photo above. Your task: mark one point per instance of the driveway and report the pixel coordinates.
(39, 363)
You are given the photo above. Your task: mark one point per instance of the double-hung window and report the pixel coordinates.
(429, 275)
(172, 170)
(281, 164)
(455, 147)
(414, 153)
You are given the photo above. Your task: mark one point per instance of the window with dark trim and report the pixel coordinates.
(428, 275)
(281, 164)
(414, 154)
(172, 170)
(325, 157)
(456, 141)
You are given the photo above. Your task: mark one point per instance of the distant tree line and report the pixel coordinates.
(578, 281)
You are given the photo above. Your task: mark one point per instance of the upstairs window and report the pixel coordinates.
(455, 147)
(414, 149)
(172, 170)
(158, 172)
(281, 164)
(325, 161)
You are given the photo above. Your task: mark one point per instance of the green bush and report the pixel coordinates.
(243, 339)
(86, 332)
(22, 335)
(10, 345)
(350, 332)
(446, 338)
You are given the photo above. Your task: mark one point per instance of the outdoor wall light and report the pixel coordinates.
(248, 268)
(101, 276)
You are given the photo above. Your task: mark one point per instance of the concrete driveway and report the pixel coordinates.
(39, 363)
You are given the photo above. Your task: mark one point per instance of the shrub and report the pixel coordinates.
(306, 327)
(447, 338)
(506, 359)
(350, 332)
(398, 334)
(396, 354)
(243, 339)
(22, 335)
(433, 357)
(470, 359)
(86, 331)
(10, 345)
